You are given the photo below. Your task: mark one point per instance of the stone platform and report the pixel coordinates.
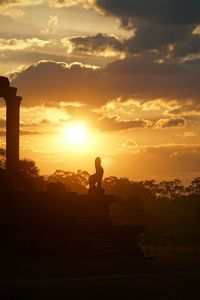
(65, 224)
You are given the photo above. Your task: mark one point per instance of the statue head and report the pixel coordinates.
(97, 162)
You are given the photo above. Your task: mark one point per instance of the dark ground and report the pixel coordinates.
(167, 276)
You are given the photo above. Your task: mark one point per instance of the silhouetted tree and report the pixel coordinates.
(28, 168)
(194, 187)
(170, 190)
(29, 178)
(125, 188)
(151, 185)
(77, 182)
(134, 202)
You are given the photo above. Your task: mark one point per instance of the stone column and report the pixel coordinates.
(12, 130)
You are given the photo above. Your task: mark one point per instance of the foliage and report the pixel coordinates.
(29, 178)
(77, 182)
(133, 201)
(194, 187)
(28, 168)
(170, 190)
(164, 208)
(125, 188)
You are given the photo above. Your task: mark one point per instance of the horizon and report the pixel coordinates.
(98, 78)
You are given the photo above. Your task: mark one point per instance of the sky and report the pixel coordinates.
(115, 79)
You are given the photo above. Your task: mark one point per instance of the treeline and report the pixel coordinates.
(165, 208)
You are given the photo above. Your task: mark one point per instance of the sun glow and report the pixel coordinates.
(76, 134)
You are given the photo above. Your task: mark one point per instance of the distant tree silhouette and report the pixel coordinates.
(28, 168)
(151, 185)
(170, 190)
(29, 178)
(77, 182)
(125, 188)
(194, 187)
(134, 203)
(164, 208)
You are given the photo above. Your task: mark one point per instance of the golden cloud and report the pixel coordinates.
(19, 44)
(14, 8)
(69, 3)
(172, 122)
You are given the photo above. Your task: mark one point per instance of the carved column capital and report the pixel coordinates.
(12, 97)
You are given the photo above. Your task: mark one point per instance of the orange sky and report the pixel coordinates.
(128, 72)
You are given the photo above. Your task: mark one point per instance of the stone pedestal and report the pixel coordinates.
(96, 191)
(64, 224)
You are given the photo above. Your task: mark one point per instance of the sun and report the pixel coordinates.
(76, 134)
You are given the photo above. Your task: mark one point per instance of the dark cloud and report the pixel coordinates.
(186, 109)
(112, 124)
(157, 23)
(170, 12)
(139, 77)
(172, 122)
(56, 82)
(149, 37)
(150, 80)
(189, 45)
(97, 44)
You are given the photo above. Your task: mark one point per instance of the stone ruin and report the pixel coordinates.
(53, 223)
(12, 124)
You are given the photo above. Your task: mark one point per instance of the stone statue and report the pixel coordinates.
(95, 180)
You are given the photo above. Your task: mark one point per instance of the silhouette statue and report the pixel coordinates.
(95, 180)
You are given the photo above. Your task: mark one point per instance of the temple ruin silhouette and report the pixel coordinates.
(12, 124)
(55, 221)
